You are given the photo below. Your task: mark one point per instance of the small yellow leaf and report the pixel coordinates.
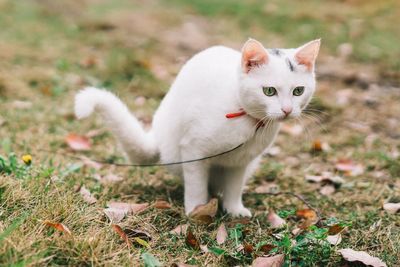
(142, 242)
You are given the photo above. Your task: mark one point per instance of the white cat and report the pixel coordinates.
(220, 99)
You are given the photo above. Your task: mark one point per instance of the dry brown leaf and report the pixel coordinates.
(275, 220)
(391, 207)
(349, 167)
(222, 234)
(325, 177)
(205, 213)
(191, 240)
(180, 229)
(307, 214)
(134, 233)
(334, 239)
(115, 215)
(129, 208)
(248, 248)
(274, 261)
(162, 204)
(116, 211)
(361, 256)
(78, 142)
(121, 233)
(319, 146)
(266, 248)
(58, 226)
(87, 196)
(267, 188)
(310, 218)
(327, 190)
(335, 229)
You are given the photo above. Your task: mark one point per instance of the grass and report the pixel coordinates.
(49, 51)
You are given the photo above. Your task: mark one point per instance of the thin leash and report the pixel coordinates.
(105, 162)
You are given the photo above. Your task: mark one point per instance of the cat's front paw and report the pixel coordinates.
(240, 211)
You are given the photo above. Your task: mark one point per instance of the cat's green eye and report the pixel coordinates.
(269, 91)
(299, 90)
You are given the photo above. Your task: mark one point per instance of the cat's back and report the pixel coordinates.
(211, 62)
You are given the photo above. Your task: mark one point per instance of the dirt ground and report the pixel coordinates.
(51, 49)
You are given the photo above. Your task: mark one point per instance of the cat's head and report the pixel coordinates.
(277, 83)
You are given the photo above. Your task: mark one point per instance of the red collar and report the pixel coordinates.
(242, 112)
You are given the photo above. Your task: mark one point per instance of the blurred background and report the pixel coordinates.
(49, 49)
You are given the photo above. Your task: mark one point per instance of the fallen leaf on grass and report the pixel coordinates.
(248, 248)
(310, 218)
(334, 239)
(274, 261)
(349, 167)
(78, 142)
(127, 235)
(116, 211)
(325, 177)
(121, 233)
(162, 204)
(132, 233)
(114, 215)
(391, 208)
(180, 229)
(327, 190)
(87, 196)
(205, 213)
(275, 220)
(361, 256)
(320, 146)
(58, 226)
(222, 234)
(131, 208)
(266, 248)
(307, 214)
(191, 240)
(335, 229)
(267, 188)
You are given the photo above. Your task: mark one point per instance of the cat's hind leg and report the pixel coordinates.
(195, 176)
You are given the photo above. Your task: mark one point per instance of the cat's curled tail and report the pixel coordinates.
(138, 144)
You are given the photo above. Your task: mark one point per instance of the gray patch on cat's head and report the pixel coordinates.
(290, 64)
(276, 52)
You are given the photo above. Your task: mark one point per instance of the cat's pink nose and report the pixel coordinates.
(287, 110)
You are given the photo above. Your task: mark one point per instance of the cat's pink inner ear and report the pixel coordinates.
(253, 55)
(307, 54)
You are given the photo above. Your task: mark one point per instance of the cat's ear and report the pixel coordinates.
(253, 55)
(307, 54)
